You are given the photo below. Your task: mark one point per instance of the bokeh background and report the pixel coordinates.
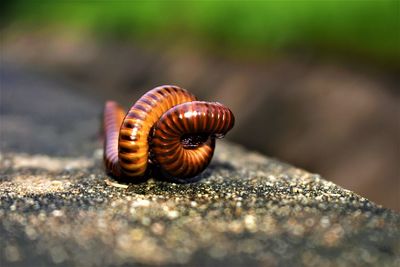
(312, 83)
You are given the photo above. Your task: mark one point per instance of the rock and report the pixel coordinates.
(246, 210)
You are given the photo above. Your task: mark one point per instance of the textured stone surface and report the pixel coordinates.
(57, 206)
(247, 209)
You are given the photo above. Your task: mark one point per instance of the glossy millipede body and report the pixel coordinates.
(166, 132)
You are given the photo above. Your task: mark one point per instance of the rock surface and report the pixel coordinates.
(57, 206)
(247, 210)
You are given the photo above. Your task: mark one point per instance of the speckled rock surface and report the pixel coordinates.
(247, 210)
(58, 208)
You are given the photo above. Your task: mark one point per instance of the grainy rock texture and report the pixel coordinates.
(58, 208)
(247, 210)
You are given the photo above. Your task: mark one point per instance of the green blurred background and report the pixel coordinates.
(237, 28)
(314, 83)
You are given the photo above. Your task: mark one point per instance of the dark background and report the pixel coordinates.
(311, 83)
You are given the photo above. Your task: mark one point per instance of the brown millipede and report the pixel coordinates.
(166, 132)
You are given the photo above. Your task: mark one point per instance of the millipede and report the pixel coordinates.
(167, 133)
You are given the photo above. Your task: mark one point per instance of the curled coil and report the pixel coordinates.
(166, 132)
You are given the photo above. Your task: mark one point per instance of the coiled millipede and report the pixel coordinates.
(166, 132)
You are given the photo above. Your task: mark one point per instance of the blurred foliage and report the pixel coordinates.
(363, 28)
